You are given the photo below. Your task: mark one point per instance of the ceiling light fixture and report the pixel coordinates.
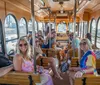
(61, 9)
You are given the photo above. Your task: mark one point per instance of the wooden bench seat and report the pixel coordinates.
(98, 65)
(19, 78)
(74, 62)
(87, 79)
(42, 62)
(49, 52)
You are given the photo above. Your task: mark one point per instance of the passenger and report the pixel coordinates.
(29, 37)
(51, 60)
(63, 53)
(5, 65)
(67, 32)
(88, 36)
(50, 39)
(40, 33)
(87, 62)
(5, 70)
(75, 42)
(23, 61)
(70, 38)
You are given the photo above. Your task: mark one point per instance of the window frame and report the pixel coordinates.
(26, 26)
(96, 31)
(60, 28)
(6, 41)
(36, 25)
(16, 27)
(2, 40)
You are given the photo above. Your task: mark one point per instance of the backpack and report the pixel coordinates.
(4, 61)
(64, 66)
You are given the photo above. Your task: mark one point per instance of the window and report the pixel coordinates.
(52, 25)
(71, 27)
(85, 28)
(93, 30)
(40, 26)
(98, 34)
(30, 26)
(11, 34)
(62, 27)
(0, 37)
(36, 26)
(22, 27)
(81, 29)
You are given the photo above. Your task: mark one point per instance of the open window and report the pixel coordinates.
(11, 32)
(22, 27)
(61, 28)
(30, 26)
(93, 30)
(98, 34)
(1, 39)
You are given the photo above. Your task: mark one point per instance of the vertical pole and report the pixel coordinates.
(49, 29)
(33, 32)
(55, 23)
(74, 28)
(37, 26)
(75, 18)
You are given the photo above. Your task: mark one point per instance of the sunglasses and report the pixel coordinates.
(83, 43)
(23, 44)
(37, 41)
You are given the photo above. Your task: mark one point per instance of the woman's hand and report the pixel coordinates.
(78, 74)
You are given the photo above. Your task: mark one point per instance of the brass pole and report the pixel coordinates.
(33, 33)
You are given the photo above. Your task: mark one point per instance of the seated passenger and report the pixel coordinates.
(63, 53)
(29, 37)
(50, 39)
(75, 42)
(5, 70)
(5, 65)
(51, 60)
(88, 36)
(87, 62)
(23, 61)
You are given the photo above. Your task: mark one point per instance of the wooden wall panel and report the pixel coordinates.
(17, 12)
(2, 11)
(95, 14)
(8, 8)
(86, 16)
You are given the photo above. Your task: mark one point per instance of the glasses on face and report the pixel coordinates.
(25, 44)
(83, 43)
(37, 41)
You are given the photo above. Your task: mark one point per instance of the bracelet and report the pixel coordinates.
(82, 71)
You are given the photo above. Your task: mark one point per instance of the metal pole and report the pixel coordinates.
(37, 26)
(55, 24)
(33, 32)
(49, 29)
(75, 18)
(74, 28)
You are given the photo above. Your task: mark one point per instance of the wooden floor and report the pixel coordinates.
(65, 80)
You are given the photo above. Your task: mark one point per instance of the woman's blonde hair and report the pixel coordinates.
(88, 43)
(29, 52)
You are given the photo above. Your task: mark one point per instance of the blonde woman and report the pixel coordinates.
(23, 61)
(87, 62)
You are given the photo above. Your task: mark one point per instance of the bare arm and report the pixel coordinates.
(5, 70)
(89, 70)
(17, 61)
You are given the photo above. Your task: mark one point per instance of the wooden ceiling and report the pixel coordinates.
(54, 6)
